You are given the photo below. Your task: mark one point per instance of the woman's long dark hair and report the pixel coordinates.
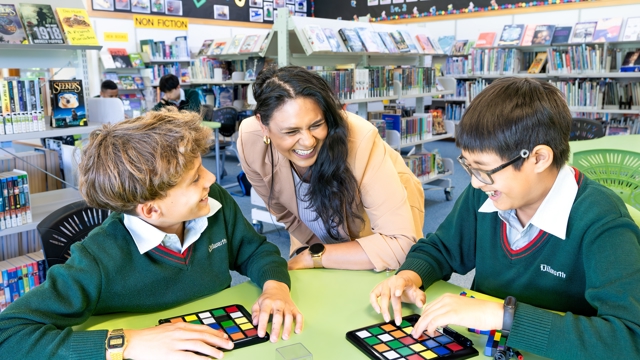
(333, 190)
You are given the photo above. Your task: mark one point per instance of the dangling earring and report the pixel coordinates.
(266, 140)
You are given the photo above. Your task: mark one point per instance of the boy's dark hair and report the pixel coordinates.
(513, 114)
(108, 85)
(169, 82)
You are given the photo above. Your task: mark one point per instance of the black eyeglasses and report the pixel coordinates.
(485, 176)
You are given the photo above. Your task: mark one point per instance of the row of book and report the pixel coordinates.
(416, 128)
(38, 24)
(454, 111)
(600, 93)
(159, 70)
(495, 61)
(15, 204)
(19, 275)
(238, 44)
(578, 59)
(161, 50)
(22, 103)
(126, 82)
(211, 69)
(425, 165)
(118, 58)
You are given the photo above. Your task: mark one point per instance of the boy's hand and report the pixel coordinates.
(176, 341)
(459, 310)
(402, 287)
(275, 299)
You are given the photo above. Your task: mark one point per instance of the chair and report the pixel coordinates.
(635, 214)
(66, 226)
(228, 119)
(613, 161)
(586, 129)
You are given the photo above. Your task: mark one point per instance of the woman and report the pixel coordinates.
(328, 176)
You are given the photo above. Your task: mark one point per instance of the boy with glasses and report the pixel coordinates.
(537, 231)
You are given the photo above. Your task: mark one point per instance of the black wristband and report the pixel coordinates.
(507, 319)
(301, 249)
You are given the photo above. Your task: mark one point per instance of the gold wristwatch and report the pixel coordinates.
(317, 250)
(115, 344)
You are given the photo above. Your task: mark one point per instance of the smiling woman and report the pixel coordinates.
(328, 176)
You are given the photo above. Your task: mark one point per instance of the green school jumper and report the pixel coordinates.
(107, 274)
(593, 275)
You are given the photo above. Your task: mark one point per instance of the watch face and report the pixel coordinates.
(115, 342)
(316, 248)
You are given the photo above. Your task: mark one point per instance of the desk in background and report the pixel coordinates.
(332, 302)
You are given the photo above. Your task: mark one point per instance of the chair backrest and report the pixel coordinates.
(66, 226)
(228, 119)
(635, 214)
(586, 129)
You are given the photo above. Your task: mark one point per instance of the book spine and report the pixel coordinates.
(345, 40)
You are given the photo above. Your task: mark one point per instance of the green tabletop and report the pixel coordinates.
(211, 124)
(333, 302)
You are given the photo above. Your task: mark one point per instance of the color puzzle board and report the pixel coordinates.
(386, 341)
(233, 320)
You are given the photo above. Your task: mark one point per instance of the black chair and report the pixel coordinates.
(66, 226)
(228, 119)
(586, 129)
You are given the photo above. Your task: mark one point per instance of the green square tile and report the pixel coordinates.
(405, 323)
(375, 331)
(372, 340)
(228, 323)
(395, 344)
(218, 312)
(404, 351)
(197, 322)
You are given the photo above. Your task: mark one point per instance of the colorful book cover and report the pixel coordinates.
(632, 29)
(398, 39)
(527, 37)
(446, 43)
(583, 32)
(112, 76)
(264, 42)
(136, 60)
(126, 82)
(41, 24)
(436, 45)
(388, 42)
(316, 38)
(561, 35)
(120, 57)
(138, 81)
(459, 47)
(204, 49)
(334, 41)
(11, 31)
(379, 43)
(77, 27)
(235, 44)
(218, 46)
(511, 35)
(543, 34)
(254, 66)
(486, 39)
(538, 63)
(351, 40)
(367, 40)
(425, 44)
(608, 30)
(248, 44)
(408, 39)
(67, 103)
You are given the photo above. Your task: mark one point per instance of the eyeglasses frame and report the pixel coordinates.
(523, 155)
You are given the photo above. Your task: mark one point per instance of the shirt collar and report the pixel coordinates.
(553, 214)
(147, 236)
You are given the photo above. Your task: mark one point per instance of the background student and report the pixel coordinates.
(328, 176)
(177, 97)
(538, 232)
(108, 89)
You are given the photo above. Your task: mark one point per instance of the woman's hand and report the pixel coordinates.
(301, 261)
(276, 300)
(176, 341)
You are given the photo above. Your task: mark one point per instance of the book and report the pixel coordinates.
(248, 44)
(459, 47)
(219, 46)
(11, 30)
(112, 76)
(527, 36)
(561, 35)
(511, 35)
(425, 44)
(126, 82)
(379, 43)
(317, 38)
(608, 30)
(401, 44)
(409, 40)
(583, 32)
(120, 57)
(543, 34)
(235, 44)
(254, 66)
(446, 43)
(538, 63)
(631, 62)
(107, 59)
(388, 42)
(632, 29)
(204, 49)
(334, 41)
(77, 27)
(136, 60)
(40, 24)
(138, 81)
(351, 40)
(67, 103)
(485, 39)
(366, 37)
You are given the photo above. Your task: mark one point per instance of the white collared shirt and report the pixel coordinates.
(147, 236)
(552, 216)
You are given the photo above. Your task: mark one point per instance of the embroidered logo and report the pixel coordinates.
(548, 269)
(219, 243)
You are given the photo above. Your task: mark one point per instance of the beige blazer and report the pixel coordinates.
(392, 197)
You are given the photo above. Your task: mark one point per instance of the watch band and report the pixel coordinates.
(317, 261)
(507, 319)
(317, 250)
(115, 344)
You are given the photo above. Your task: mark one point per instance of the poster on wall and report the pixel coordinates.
(232, 10)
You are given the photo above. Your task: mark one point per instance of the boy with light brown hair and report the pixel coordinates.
(172, 238)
